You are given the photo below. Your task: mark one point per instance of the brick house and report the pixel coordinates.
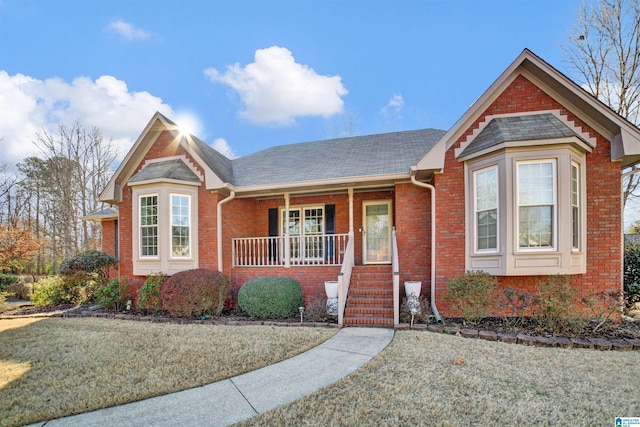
(525, 184)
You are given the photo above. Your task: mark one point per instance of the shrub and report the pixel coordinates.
(195, 293)
(270, 297)
(554, 307)
(3, 304)
(603, 305)
(20, 290)
(89, 262)
(114, 294)
(424, 316)
(149, 294)
(316, 310)
(632, 293)
(50, 291)
(6, 280)
(512, 307)
(471, 294)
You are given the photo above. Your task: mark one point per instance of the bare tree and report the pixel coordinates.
(63, 184)
(604, 49)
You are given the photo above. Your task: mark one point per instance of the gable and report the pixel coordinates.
(528, 85)
(161, 139)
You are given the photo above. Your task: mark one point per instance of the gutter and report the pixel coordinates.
(219, 226)
(433, 243)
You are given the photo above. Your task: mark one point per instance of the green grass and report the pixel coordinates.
(56, 367)
(415, 381)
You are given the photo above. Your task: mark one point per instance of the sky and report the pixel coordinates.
(247, 75)
(244, 76)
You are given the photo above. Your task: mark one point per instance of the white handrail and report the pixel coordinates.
(344, 279)
(395, 264)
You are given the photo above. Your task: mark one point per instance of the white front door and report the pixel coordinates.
(376, 231)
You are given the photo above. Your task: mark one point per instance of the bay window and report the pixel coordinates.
(167, 235)
(525, 213)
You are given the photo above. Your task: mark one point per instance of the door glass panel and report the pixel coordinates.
(377, 236)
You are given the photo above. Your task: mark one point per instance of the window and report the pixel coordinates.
(575, 206)
(180, 228)
(306, 229)
(536, 204)
(486, 209)
(167, 235)
(149, 226)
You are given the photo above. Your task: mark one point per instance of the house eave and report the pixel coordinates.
(328, 185)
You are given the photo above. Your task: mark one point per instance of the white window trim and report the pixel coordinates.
(554, 210)
(157, 226)
(475, 211)
(188, 196)
(578, 167)
(508, 260)
(283, 211)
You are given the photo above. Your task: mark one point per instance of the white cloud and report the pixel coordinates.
(393, 107)
(28, 104)
(222, 146)
(275, 89)
(128, 31)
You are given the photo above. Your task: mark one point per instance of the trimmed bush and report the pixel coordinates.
(114, 294)
(3, 304)
(471, 294)
(6, 280)
(89, 262)
(149, 294)
(195, 293)
(270, 297)
(50, 291)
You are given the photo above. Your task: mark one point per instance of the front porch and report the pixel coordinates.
(368, 239)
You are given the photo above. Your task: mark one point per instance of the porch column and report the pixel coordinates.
(287, 238)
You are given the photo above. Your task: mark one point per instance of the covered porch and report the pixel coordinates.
(321, 236)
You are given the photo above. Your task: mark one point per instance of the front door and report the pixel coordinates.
(376, 233)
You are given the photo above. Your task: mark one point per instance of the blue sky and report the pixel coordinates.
(247, 75)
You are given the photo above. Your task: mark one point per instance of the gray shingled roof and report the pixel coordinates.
(370, 155)
(169, 169)
(110, 212)
(218, 163)
(520, 128)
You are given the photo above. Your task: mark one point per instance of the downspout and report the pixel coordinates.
(219, 226)
(432, 189)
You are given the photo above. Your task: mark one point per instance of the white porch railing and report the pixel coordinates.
(325, 249)
(395, 264)
(344, 279)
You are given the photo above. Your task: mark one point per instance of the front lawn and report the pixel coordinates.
(425, 378)
(54, 367)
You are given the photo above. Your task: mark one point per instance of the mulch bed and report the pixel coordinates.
(614, 336)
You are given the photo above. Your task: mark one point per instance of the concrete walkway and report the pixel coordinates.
(238, 398)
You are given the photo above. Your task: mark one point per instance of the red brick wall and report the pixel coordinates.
(413, 231)
(108, 237)
(604, 218)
